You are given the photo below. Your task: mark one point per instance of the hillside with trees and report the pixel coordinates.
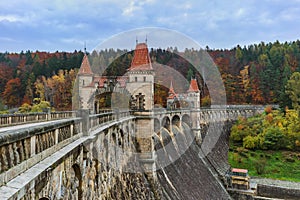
(29, 76)
(269, 144)
(254, 74)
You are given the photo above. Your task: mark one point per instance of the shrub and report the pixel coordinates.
(274, 139)
(249, 142)
(40, 107)
(268, 109)
(25, 108)
(260, 166)
(205, 101)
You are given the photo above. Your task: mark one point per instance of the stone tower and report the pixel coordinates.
(85, 80)
(141, 78)
(140, 84)
(194, 99)
(194, 94)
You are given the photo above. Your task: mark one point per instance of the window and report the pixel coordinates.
(144, 78)
(135, 79)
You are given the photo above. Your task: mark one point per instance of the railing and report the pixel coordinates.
(62, 115)
(233, 107)
(21, 149)
(23, 118)
(102, 118)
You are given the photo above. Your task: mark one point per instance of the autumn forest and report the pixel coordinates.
(254, 74)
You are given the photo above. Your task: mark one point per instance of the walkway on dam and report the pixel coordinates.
(30, 125)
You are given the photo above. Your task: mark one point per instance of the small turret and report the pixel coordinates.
(85, 78)
(193, 86)
(194, 94)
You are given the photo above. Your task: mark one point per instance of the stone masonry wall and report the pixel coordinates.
(277, 192)
(96, 170)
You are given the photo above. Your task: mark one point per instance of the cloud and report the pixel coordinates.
(10, 18)
(215, 23)
(7, 39)
(129, 10)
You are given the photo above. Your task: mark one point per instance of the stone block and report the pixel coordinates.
(2, 178)
(33, 160)
(15, 171)
(6, 192)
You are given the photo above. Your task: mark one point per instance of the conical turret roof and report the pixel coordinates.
(193, 86)
(85, 68)
(141, 59)
(172, 93)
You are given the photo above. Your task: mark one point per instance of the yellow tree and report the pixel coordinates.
(40, 85)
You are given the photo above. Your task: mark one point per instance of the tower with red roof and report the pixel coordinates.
(85, 78)
(141, 78)
(193, 94)
(140, 84)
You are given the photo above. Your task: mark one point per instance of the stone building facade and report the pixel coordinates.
(138, 82)
(190, 99)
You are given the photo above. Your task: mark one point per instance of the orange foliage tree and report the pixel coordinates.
(11, 94)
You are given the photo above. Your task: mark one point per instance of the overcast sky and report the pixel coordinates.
(65, 25)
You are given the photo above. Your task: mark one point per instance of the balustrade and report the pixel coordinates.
(21, 149)
(23, 118)
(102, 118)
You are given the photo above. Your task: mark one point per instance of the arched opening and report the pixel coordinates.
(122, 133)
(156, 125)
(121, 138)
(78, 180)
(44, 198)
(96, 165)
(111, 93)
(103, 101)
(166, 123)
(176, 120)
(187, 120)
(114, 137)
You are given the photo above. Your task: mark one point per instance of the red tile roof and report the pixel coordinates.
(239, 170)
(85, 67)
(193, 86)
(141, 59)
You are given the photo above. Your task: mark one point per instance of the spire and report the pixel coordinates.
(146, 40)
(141, 59)
(85, 67)
(171, 89)
(193, 86)
(172, 93)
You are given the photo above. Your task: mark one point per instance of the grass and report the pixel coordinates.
(282, 165)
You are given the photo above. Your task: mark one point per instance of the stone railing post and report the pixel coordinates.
(84, 114)
(32, 145)
(117, 114)
(9, 120)
(48, 114)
